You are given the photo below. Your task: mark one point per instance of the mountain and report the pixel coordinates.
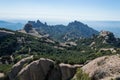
(74, 30)
(10, 25)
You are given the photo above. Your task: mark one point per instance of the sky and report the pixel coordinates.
(60, 10)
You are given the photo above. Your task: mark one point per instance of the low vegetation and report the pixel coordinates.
(80, 75)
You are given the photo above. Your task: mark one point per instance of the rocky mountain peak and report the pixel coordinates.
(28, 28)
(31, 22)
(108, 36)
(37, 23)
(106, 33)
(75, 23)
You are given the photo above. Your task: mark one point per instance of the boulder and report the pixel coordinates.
(37, 70)
(68, 70)
(18, 66)
(104, 68)
(43, 69)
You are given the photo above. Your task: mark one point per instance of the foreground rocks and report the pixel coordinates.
(43, 69)
(18, 66)
(104, 68)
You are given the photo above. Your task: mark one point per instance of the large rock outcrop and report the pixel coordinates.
(30, 30)
(104, 68)
(108, 37)
(18, 66)
(44, 69)
(37, 70)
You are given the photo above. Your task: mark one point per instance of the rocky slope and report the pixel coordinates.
(17, 42)
(28, 29)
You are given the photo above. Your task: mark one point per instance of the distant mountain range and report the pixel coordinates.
(113, 26)
(74, 30)
(10, 25)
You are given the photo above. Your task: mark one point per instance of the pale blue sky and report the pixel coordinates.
(60, 10)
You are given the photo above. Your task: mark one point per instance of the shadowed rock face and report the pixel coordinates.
(68, 71)
(37, 70)
(17, 67)
(104, 68)
(45, 69)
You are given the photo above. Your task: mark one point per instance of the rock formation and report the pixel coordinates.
(18, 66)
(43, 69)
(108, 37)
(37, 70)
(30, 30)
(68, 70)
(104, 68)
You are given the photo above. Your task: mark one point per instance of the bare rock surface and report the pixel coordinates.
(37, 70)
(18, 66)
(104, 68)
(43, 69)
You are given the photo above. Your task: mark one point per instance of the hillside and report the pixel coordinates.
(83, 49)
(74, 30)
(14, 46)
(13, 42)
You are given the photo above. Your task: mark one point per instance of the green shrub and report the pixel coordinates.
(4, 68)
(80, 75)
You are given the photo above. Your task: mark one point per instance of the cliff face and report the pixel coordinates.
(42, 69)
